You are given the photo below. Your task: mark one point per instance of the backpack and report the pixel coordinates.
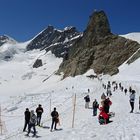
(33, 119)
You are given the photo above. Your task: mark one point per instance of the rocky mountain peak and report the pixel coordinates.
(98, 49)
(98, 26)
(55, 40)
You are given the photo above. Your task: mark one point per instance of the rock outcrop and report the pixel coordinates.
(98, 49)
(38, 63)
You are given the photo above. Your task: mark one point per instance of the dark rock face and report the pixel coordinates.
(4, 39)
(55, 40)
(38, 63)
(98, 49)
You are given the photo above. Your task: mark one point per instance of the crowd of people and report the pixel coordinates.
(104, 113)
(32, 120)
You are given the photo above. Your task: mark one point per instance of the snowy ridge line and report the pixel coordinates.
(131, 56)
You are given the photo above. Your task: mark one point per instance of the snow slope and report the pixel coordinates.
(133, 36)
(22, 86)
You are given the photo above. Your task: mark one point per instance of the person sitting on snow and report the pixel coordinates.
(103, 116)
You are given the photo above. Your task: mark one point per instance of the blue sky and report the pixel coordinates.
(23, 19)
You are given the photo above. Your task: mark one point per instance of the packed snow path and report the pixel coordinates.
(125, 125)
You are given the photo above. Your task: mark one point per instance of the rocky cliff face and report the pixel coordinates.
(58, 41)
(98, 49)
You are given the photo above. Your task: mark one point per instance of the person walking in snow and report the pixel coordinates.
(125, 91)
(27, 119)
(95, 107)
(122, 88)
(130, 90)
(87, 101)
(32, 123)
(132, 100)
(55, 119)
(39, 112)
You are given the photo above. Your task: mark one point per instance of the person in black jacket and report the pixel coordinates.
(39, 112)
(95, 107)
(87, 101)
(55, 119)
(107, 104)
(27, 119)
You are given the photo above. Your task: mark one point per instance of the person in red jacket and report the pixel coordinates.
(103, 116)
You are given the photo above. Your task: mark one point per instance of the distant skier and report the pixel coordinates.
(87, 101)
(132, 100)
(27, 119)
(55, 119)
(95, 107)
(39, 112)
(32, 123)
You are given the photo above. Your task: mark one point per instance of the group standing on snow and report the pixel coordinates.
(32, 120)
